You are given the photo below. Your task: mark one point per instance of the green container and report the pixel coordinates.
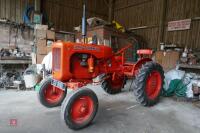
(37, 87)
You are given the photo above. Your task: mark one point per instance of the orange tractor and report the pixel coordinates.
(76, 65)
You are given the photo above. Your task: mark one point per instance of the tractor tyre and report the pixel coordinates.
(149, 83)
(79, 108)
(114, 87)
(50, 96)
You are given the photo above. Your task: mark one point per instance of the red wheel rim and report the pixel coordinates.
(153, 86)
(117, 83)
(82, 109)
(53, 94)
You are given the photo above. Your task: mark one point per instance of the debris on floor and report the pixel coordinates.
(182, 84)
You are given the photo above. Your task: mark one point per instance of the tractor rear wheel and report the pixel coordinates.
(113, 86)
(79, 108)
(149, 83)
(50, 96)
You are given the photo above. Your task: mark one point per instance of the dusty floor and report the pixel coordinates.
(117, 114)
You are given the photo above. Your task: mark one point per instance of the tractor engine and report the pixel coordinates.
(78, 61)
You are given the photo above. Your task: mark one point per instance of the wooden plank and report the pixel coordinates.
(13, 10)
(1, 2)
(7, 10)
(3, 8)
(18, 15)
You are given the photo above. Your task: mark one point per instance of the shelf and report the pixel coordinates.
(15, 61)
(189, 66)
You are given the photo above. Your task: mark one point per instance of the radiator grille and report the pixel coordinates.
(56, 59)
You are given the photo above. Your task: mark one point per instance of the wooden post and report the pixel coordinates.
(162, 22)
(111, 10)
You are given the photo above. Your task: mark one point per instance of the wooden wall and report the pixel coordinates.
(183, 9)
(13, 9)
(65, 14)
(148, 14)
(68, 13)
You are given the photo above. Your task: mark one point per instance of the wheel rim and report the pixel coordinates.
(153, 86)
(82, 109)
(117, 83)
(53, 94)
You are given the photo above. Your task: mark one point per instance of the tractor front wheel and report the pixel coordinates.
(149, 83)
(79, 108)
(50, 96)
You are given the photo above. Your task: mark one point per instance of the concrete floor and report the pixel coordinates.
(117, 114)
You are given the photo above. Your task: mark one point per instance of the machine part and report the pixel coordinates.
(79, 108)
(113, 86)
(91, 64)
(49, 95)
(148, 83)
(99, 78)
(7, 79)
(84, 23)
(84, 60)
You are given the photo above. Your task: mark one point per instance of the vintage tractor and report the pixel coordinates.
(76, 65)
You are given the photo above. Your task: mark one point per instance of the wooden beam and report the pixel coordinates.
(92, 11)
(131, 5)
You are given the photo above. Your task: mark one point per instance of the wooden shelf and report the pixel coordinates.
(189, 66)
(12, 60)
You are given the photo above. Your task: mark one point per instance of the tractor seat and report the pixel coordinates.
(144, 52)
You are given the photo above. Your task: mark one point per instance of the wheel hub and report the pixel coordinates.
(117, 83)
(154, 83)
(53, 94)
(81, 109)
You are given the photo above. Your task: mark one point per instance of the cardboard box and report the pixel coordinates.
(41, 50)
(41, 27)
(40, 57)
(41, 46)
(168, 60)
(50, 34)
(41, 42)
(41, 34)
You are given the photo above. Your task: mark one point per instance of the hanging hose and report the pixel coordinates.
(27, 15)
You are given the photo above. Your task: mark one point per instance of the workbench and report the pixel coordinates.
(16, 60)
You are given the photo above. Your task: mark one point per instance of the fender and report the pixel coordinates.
(140, 63)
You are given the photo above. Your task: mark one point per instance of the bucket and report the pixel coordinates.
(30, 80)
(31, 77)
